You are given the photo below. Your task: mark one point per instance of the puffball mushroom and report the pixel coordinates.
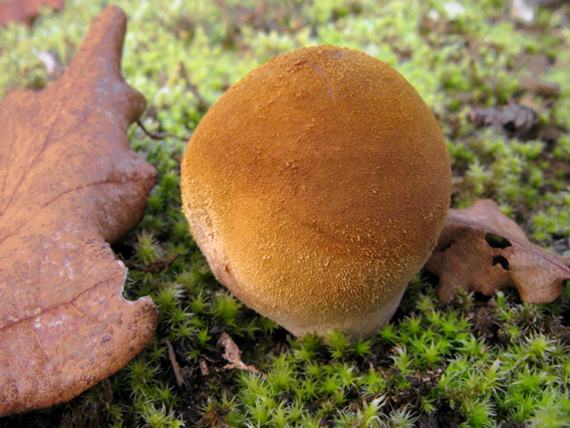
(316, 187)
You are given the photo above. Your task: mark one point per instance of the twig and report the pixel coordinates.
(161, 135)
(158, 266)
(201, 99)
(174, 363)
(192, 88)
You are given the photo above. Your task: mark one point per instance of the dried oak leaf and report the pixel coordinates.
(25, 11)
(481, 249)
(69, 184)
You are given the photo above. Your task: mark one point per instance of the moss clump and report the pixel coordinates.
(477, 362)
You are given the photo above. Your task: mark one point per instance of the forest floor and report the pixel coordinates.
(500, 90)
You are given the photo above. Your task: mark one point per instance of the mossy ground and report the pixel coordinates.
(478, 362)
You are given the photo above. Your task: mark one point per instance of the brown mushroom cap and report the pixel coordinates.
(316, 187)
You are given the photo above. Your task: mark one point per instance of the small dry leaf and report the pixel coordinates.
(514, 120)
(69, 185)
(232, 354)
(481, 249)
(204, 367)
(25, 11)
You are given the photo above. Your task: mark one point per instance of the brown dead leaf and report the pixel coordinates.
(204, 367)
(232, 354)
(69, 185)
(514, 120)
(481, 249)
(25, 11)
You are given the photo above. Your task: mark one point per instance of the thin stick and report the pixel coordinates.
(175, 365)
(161, 135)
